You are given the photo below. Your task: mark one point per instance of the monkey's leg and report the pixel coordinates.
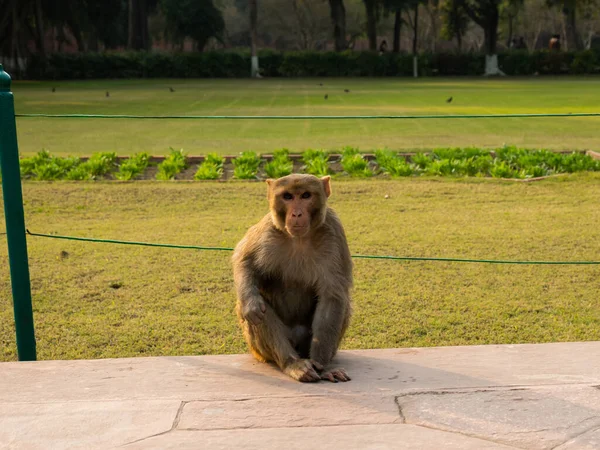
(271, 340)
(329, 325)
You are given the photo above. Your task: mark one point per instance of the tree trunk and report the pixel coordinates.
(490, 32)
(573, 40)
(253, 10)
(138, 38)
(39, 29)
(397, 29)
(510, 31)
(338, 20)
(371, 24)
(414, 43)
(459, 40)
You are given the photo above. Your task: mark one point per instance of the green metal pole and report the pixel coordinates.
(15, 222)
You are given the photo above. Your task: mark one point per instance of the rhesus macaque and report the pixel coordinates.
(293, 274)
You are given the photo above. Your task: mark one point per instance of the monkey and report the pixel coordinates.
(293, 274)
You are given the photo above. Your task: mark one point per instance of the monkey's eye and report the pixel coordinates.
(287, 196)
(306, 195)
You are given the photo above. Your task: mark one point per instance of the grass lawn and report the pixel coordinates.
(382, 96)
(103, 300)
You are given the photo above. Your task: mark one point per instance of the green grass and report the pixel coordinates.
(305, 97)
(103, 300)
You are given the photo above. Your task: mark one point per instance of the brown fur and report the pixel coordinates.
(293, 274)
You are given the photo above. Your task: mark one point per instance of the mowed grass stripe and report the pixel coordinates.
(305, 96)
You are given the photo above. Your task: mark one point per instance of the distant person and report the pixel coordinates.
(555, 42)
(521, 44)
(383, 47)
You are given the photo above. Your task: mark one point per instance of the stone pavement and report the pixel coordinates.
(544, 396)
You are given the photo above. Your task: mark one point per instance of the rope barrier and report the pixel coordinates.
(449, 116)
(395, 258)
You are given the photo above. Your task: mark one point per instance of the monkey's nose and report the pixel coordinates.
(296, 213)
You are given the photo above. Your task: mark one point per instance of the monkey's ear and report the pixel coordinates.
(326, 185)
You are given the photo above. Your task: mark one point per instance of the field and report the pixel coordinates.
(386, 96)
(96, 300)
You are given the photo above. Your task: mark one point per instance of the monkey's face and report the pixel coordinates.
(298, 203)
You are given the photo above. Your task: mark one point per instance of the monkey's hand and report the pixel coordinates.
(302, 370)
(254, 310)
(335, 375)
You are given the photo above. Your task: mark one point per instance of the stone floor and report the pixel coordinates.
(543, 396)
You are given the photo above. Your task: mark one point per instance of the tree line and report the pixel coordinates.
(43, 26)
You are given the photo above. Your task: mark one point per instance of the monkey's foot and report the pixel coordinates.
(302, 370)
(335, 375)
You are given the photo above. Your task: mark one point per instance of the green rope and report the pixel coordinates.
(395, 258)
(449, 116)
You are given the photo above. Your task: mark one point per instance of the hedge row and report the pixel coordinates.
(302, 64)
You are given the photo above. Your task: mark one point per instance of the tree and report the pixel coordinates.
(455, 21)
(569, 9)
(371, 7)
(510, 9)
(486, 14)
(253, 10)
(139, 38)
(396, 7)
(414, 23)
(196, 19)
(338, 20)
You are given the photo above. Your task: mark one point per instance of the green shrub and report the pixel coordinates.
(354, 164)
(316, 162)
(421, 160)
(245, 166)
(133, 166)
(172, 165)
(281, 165)
(100, 164)
(501, 169)
(392, 164)
(235, 63)
(44, 166)
(79, 173)
(211, 168)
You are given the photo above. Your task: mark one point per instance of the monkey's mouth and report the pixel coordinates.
(297, 230)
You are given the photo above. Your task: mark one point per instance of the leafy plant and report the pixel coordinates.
(281, 165)
(100, 164)
(421, 160)
(245, 166)
(316, 162)
(392, 164)
(501, 169)
(134, 166)
(44, 166)
(211, 168)
(354, 164)
(172, 165)
(79, 173)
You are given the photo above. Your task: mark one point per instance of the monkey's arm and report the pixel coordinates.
(251, 304)
(329, 322)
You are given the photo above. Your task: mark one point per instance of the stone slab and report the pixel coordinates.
(348, 437)
(82, 424)
(214, 401)
(535, 418)
(240, 376)
(277, 412)
(585, 441)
